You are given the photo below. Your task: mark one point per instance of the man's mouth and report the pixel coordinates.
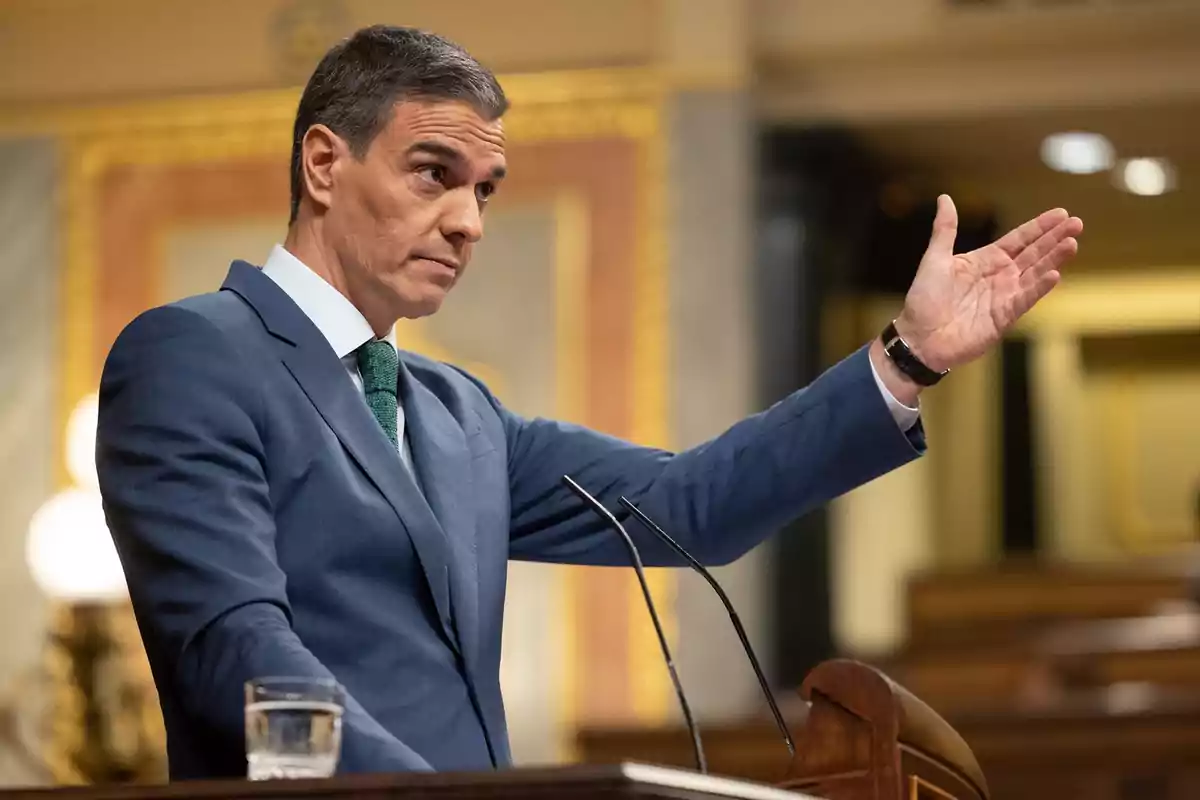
(445, 262)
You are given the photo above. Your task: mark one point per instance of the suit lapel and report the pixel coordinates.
(443, 462)
(321, 375)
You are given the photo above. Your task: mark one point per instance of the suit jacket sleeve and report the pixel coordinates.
(719, 499)
(182, 471)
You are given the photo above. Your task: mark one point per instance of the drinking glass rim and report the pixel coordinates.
(269, 681)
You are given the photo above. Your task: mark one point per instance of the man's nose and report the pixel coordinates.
(463, 220)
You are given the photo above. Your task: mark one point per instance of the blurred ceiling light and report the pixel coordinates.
(1147, 177)
(1078, 152)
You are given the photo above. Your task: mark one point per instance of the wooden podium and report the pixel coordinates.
(865, 738)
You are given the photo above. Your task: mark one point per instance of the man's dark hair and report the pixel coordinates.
(358, 82)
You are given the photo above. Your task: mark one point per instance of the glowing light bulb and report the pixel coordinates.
(81, 442)
(70, 551)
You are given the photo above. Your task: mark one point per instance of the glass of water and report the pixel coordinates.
(293, 727)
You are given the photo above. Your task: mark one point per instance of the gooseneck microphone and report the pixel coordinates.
(654, 528)
(636, 558)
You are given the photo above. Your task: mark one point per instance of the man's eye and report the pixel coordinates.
(433, 172)
(484, 191)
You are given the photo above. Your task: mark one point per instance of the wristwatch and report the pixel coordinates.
(898, 351)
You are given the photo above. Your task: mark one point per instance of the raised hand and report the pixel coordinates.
(961, 305)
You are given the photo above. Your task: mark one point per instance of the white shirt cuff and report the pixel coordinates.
(905, 417)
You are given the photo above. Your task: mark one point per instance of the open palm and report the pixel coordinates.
(960, 305)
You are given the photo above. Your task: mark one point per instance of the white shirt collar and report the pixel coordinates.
(342, 325)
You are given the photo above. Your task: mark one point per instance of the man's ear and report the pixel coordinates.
(322, 154)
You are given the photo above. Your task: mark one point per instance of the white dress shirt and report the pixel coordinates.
(905, 417)
(346, 330)
(342, 325)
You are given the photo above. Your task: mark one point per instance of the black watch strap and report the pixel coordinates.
(897, 350)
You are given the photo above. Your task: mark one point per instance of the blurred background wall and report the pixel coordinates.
(711, 201)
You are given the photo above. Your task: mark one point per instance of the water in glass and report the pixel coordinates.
(293, 728)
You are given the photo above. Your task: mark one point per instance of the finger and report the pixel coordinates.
(1039, 288)
(945, 226)
(1021, 237)
(1053, 261)
(1034, 253)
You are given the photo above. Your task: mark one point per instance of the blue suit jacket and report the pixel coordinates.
(268, 527)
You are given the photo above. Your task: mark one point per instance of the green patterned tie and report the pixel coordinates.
(379, 365)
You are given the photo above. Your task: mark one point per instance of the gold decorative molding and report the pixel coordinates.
(544, 106)
(651, 691)
(571, 242)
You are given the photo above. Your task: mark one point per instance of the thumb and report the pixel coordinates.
(945, 226)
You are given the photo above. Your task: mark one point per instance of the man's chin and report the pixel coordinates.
(429, 302)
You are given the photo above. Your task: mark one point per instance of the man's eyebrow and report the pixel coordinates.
(437, 149)
(449, 153)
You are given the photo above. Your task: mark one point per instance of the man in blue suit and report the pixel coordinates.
(290, 495)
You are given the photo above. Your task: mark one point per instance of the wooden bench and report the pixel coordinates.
(1011, 603)
(1162, 650)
